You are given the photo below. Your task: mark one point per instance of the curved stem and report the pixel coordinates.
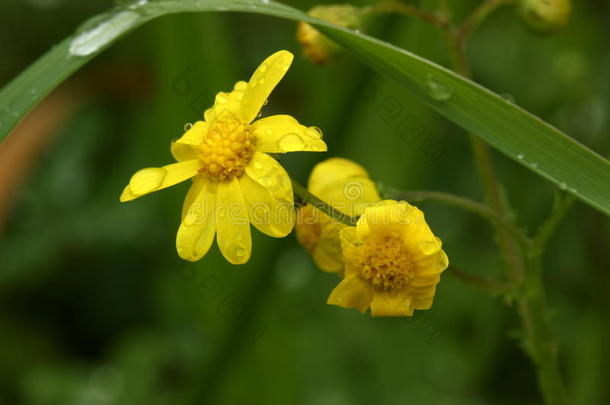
(302, 193)
(478, 16)
(396, 7)
(477, 281)
(545, 231)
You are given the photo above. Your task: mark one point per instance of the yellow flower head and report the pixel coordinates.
(235, 181)
(393, 262)
(316, 46)
(545, 16)
(346, 186)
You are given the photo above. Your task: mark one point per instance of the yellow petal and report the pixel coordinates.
(349, 243)
(156, 178)
(386, 304)
(263, 81)
(327, 254)
(228, 106)
(351, 293)
(268, 214)
(267, 172)
(196, 232)
(331, 171)
(282, 133)
(234, 239)
(187, 146)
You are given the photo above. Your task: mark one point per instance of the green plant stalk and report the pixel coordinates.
(539, 340)
(302, 193)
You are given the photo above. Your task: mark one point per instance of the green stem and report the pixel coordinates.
(550, 225)
(484, 10)
(539, 341)
(492, 286)
(396, 7)
(302, 193)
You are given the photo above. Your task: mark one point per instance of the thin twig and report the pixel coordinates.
(493, 286)
(396, 7)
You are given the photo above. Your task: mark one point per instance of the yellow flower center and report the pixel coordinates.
(226, 150)
(384, 263)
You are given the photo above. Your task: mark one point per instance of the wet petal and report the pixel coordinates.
(333, 171)
(351, 293)
(267, 172)
(270, 215)
(283, 133)
(263, 81)
(187, 146)
(386, 304)
(152, 179)
(228, 106)
(233, 226)
(196, 232)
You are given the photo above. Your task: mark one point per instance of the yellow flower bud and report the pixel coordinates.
(316, 46)
(346, 186)
(545, 16)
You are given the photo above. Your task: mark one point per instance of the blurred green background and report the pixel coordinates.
(97, 308)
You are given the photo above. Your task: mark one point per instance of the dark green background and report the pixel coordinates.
(97, 308)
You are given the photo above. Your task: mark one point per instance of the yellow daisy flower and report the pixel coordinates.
(393, 262)
(235, 181)
(346, 186)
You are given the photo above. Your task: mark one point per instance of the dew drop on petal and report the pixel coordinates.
(428, 247)
(314, 132)
(265, 181)
(291, 142)
(240, 86)
(262, 68)
(188, 126)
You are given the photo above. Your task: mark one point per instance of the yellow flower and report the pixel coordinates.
(346, 186)
(393, 262)
(545, 16)
(235, 181)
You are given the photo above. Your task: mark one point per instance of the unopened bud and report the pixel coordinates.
(545, 16)
(316, 46)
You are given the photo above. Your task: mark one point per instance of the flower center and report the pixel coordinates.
(384, 264)
(226, 150)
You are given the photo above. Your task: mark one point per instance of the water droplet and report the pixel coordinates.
(534, 165)
(265, 181)
(520, 156)
(93, 40)
(428, 247)
(563, 186)
(262, 68)
(240, 86)
(261, 81)
(240, 251)
(314, 131)
(265, 1)
(258, 165)
(188, 126)
(508, 97)
(291, 142)
(437, 90)
(221, 98)
(137, 4)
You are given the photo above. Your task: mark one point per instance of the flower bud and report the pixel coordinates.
(316, 46)
(545, 16)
